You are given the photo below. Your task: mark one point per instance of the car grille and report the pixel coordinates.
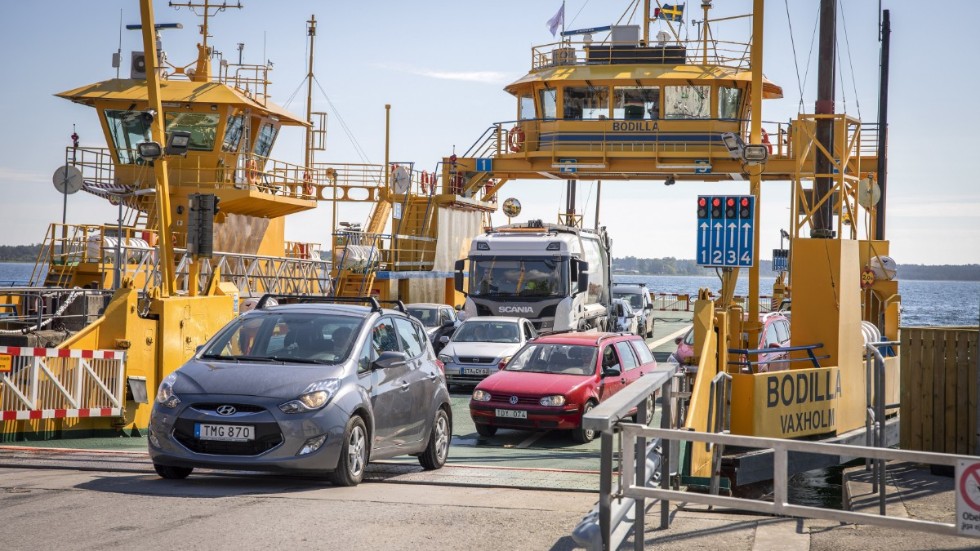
(476, 359)
(267, 437)
(521, 400)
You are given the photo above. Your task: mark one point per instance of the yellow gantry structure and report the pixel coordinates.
(636, 107)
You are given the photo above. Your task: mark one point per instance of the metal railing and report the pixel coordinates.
(608, 524)
(48, 379)
(568, 52)
(25, 310)
(875, 413)
(633, 489)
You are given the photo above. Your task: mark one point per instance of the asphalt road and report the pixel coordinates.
(68, 509)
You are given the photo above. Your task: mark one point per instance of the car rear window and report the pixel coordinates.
(642, 351)
(567, 359)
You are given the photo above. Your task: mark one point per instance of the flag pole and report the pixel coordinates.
(563, 17)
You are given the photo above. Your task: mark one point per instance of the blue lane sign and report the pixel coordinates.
(726, 231)
(567, 165)
(780, 260)
(702, 166)
(484, 164)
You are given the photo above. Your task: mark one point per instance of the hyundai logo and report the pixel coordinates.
(226, 410)
(513, 400)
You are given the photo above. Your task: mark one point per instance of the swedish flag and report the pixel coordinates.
(670, 13)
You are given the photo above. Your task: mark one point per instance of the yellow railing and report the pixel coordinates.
(734, 55)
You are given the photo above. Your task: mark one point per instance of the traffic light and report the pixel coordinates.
(744, 211)
(716, 207)
(702, 207)
(729, 207)
(200, 224)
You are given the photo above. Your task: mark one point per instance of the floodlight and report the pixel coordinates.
(733, 143)
(755, 153)
(177, 142)
(149, 150)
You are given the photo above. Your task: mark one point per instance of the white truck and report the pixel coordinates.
(556, 276)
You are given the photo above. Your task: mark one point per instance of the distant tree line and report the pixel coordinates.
(19, 253)
(683, 267)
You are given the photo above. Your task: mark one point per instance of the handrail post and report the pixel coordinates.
(605, 488)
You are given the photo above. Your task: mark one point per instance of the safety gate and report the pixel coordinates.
(52, 383)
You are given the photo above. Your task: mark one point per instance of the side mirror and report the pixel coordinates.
(774, 345)
(678, 340)
(611, 372)
(458, 275)
(448, 322)
(444, 339)
(390, 359)
(648, 307)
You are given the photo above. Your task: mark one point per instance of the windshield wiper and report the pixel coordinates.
(297, 360)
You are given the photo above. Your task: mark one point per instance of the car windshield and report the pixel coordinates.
(428, 316)
(297, 337)
(567, 359)
(488, 331)
(635, 300)
(525, 277)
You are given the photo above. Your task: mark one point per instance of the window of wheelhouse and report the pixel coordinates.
(525, 107)
(549, 104)
(265, 139)
(729, 101)
(586, 102)
(636, 102)
(127, 129)
(233, 133)
(203, 128)
(687, 102)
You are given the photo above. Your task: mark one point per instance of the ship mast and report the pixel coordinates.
(311, 32)
(822, 225)
(202, 72)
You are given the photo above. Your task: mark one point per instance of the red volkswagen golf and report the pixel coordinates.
(554, 380)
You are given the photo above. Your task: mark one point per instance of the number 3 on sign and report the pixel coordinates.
(867, 278)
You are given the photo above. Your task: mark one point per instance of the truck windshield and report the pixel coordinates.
(513, 277)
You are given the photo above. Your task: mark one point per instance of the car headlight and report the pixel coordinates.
(556, 400)
(503, 362)
(313, 398)
(481, 396)
(165, 394)
(445, 358)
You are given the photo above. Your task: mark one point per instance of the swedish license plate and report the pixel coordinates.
(513, 413)
(228, 433)
(476, 371)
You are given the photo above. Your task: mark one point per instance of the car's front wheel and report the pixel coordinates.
(353, 455)
(581, 434)
(435, 454)
(172, 473)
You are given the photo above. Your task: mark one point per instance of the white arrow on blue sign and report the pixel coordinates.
(726, 231)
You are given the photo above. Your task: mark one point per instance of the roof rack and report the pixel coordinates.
(308, 299)
(640, 283)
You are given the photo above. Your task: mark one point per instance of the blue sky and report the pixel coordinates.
(442, 65)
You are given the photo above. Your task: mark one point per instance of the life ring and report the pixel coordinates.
(424, 182)
(765, 140)
(252, 171)
(516, 138)
(307, 184)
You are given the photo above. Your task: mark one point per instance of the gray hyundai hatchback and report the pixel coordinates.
(310, 385)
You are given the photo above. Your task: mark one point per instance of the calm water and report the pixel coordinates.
(928, 303)
(924, 303)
